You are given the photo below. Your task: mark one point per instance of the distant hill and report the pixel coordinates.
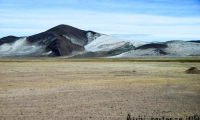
(196, 41)
(68, 41)
(57, 41)
(8, 39)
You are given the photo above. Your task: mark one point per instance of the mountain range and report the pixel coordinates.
(67, 41)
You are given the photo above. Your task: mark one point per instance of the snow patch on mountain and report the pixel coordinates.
(92, 36)
(138, 53)
(174, 49)
(137, 43)
(182, 48)
(80, 43)
(106, 43)
(19, 47)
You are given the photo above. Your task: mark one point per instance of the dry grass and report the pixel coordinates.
(97, 88)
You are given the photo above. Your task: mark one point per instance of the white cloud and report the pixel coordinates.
(32, 21)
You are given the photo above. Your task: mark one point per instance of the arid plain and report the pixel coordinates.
(101, 89)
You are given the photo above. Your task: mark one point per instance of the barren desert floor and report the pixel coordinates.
(97, 90)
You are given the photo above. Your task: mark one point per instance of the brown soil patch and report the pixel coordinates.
(59, 90)
(193, 70)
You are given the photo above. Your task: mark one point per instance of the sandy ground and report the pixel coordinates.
(60, 90)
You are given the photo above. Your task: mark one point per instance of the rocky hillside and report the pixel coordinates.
(67, 41)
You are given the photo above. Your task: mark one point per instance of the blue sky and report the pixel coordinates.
(148, 20)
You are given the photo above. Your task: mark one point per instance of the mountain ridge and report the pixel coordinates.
(60, 40)
(65, 40)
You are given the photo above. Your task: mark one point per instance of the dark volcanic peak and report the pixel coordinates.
(42, 38)
(69, 30)
(64, 29)
(75, 35)
(63, 39)
(72, 34)
(57, 41)
(8, 39)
